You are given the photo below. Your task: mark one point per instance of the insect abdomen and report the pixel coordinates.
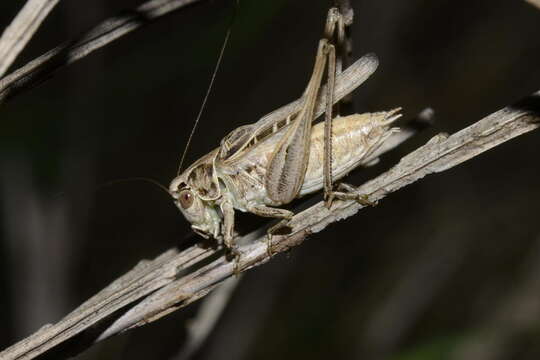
(355, 139)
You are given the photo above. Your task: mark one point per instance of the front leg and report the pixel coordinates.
(228, 228)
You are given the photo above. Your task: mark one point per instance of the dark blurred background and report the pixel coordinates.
(448, 268)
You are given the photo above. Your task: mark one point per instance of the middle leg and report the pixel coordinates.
(266, 211)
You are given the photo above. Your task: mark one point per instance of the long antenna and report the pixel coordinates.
(216, 68)
(133, 179)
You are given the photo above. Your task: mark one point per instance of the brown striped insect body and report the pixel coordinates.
(261, 166)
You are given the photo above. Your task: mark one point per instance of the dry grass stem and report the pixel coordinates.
(534, 3)
(20, 31)
(102, 34)
(160, 286)
(210, 311)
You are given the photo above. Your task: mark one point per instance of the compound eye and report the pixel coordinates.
(186, 199)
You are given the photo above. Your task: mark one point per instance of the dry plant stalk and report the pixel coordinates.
(20, 31)
(158, 286)
(109, 30)
(534, 3)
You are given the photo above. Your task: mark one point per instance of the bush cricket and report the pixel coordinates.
(261, 166)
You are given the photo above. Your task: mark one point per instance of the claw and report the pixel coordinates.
(329, 199)
(233, 254)
(363, 199)
(348, 192)
(272, 231)
(269, 252)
